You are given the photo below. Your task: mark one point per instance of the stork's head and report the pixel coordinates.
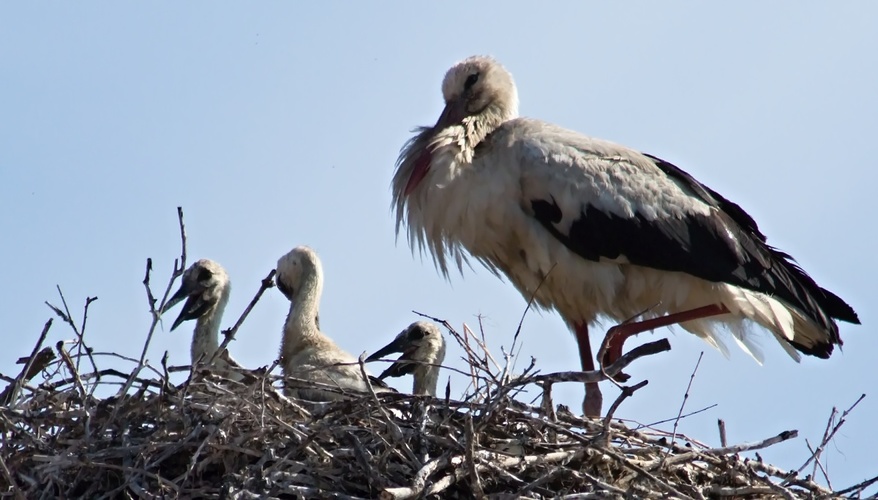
(421, 342)
(294, 268)
(478, 89)
(479, 96)
(205, 285)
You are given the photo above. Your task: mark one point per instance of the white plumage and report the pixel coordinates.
(607, 230)
(306, 352)
(206, 286)
(423, 351)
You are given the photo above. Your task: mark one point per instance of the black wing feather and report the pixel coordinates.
(726, 246)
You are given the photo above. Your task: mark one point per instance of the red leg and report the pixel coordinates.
(618, 334)
(591, 405)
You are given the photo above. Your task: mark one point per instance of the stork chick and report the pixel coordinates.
(306, 352)
(423, 350)
(206, 288)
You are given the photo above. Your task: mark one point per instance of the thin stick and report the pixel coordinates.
(78, 384)
(156, 317)
(597, 375)
(722, 432)
(81, 345)
(627, 392)
(475, 482)
(22, 378)
(685, 397)
(530, 302)
(229, 334)
(827, 437)
(858, 487)
(10, 480)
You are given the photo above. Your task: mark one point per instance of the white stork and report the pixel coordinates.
(306, 352)
(594, 229)
(423, 350)
(206, 286)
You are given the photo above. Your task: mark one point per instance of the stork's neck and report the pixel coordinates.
(459, 142)
(426, 376)
(302, 322)
(426, 380)
(205, 339)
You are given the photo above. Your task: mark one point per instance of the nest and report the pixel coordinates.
(210, 437)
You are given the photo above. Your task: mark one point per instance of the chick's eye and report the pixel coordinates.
(470, 81)
(204, 275)
(284, 289)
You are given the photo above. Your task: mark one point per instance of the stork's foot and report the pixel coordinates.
(594, 400)
(615, 341)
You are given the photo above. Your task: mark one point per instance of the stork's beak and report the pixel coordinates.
(399, 344)
(453, 114)
(194, 307)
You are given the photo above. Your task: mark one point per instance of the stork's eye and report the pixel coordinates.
(470, 81)
(204, 275)
(416, 334)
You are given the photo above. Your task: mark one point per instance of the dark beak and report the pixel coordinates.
(179, 295)
(453, 114)
(194, 307)
(402, 366)
(398, 345)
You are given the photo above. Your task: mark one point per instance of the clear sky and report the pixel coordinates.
(279, 124)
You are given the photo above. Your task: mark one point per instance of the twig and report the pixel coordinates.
(741, 491)
(475, 483)
(728, 450)
(818, 464)
(418, 483)
(78, 383)
(858, 487)
(65, 315)
(81, 345)
(229, 334)
(627, 392)
(395, 431)
(177, 272)
(685, 397)
(546, 403)
(13, 389)
(722, 432)
(596, 375)
(829, 434)
(10, 480)
(530, 302)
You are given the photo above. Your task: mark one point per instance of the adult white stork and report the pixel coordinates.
(206, 286)
(423, 350)
(306, 352)
(591, 228)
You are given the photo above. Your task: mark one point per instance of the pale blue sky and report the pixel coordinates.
(278, 124)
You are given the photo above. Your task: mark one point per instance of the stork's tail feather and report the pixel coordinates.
(794, 330)
(838, 308)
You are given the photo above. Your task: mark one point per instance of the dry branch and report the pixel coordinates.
(209, 437)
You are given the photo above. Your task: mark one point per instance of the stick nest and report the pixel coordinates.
(85, 432)
(213, 438)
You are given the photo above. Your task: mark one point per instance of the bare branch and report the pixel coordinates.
(11, 392)
(229, 334)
